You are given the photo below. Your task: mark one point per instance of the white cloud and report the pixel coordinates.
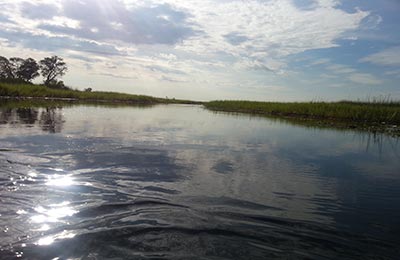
(389, 57)
(257, 30)
(63, 22)
(327, 3)
(266, 29)
(269, 65)
(364, 78)
(182, 41)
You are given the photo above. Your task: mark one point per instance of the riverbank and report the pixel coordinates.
(40, 92)
(373, 116)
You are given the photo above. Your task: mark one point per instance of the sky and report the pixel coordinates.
(269, 50)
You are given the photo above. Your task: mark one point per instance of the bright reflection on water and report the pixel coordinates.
(52, 214)
(180, 182)
(45, 241)
(60, 180)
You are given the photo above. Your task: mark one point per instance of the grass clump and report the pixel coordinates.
(344, 111)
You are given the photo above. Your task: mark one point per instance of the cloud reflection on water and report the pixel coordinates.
(170, 171)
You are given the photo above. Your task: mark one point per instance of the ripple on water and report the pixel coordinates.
(175, 190)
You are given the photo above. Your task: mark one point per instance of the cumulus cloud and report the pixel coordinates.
(252, 29)
(180, 40)
(113, 21)
(388, 57)
(269, 65)
(259, 29)
(56, 43)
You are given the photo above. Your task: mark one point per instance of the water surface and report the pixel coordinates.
(181, 182)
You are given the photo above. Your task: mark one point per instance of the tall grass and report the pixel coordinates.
(30, 90)
(352, 112)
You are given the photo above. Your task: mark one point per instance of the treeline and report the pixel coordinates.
(18, 70)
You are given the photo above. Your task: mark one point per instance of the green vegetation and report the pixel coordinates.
(40, 91)
(374, 114)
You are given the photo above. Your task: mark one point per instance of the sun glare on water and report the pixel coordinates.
(60, 180)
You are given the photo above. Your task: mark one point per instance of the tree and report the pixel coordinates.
(52, 67)
(18, 70)
(6, 69)
(28, 70)
(15, 64)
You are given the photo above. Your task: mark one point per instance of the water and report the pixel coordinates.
(181, 182)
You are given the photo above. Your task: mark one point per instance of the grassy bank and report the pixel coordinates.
(351, 114)
(39, 91)
(374, 115)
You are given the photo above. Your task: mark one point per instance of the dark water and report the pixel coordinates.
(180, 182)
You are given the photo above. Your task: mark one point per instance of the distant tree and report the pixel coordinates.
(28, 70)
(88, 90)
(59, 84)
(6, 69)
(51, 68)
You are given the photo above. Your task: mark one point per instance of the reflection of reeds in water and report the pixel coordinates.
(341, 126)
(379, 140)
(50, 119)
(47, 114)
(369, 137)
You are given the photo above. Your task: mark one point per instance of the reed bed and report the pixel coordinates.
(368, 112)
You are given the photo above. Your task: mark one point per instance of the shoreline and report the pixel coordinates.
(41, 92)
(296, 119)
(104, 101)
(376, 116)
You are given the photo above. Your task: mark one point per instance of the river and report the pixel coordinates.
(182, 182)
